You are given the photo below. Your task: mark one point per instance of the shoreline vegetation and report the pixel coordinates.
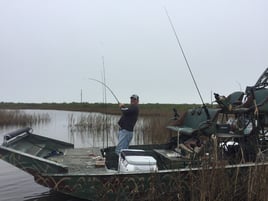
(149, 109)
(156, 116)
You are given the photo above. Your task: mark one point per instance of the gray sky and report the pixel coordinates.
(49, 49)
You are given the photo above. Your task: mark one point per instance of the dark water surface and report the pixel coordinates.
(16, 185)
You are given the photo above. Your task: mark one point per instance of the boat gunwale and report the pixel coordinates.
(108, 172)
(32, 156)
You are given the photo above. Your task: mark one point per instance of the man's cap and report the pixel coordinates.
(135, 96)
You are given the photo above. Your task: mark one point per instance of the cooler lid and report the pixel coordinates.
(140, 160)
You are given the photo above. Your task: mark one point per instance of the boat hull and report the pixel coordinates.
(163, 185)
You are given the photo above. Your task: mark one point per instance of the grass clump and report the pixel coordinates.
(19, 118)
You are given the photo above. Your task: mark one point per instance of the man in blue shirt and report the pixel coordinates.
(127, 122)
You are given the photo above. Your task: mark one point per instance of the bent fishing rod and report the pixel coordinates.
(105, 85)
(186, 61)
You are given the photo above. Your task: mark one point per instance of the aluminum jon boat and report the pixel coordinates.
(144, 172)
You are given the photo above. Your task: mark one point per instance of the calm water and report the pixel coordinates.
(16, 185)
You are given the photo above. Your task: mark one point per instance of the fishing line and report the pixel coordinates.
(187, 63)
(107, 88)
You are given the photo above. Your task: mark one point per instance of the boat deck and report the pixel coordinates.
(82, 161)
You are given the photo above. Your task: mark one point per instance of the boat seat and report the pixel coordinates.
(235, 98)
(261, 96)
(196, 120)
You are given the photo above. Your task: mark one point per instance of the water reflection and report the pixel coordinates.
(51, 196)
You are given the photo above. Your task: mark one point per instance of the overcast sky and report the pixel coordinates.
(49, 49)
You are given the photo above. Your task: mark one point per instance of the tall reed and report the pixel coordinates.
(20, 118)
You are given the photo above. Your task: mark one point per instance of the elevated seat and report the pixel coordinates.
(235, 98)
(232, 100)
(196, 120)
(261, 96)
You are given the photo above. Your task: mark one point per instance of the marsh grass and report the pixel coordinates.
(214, 184)
(154, 129)
(92, 121)
(20, 118)
(148, 130)
(237, 184)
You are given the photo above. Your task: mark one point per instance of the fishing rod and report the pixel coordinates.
(187, 63)
(107, 88)
(105, 106)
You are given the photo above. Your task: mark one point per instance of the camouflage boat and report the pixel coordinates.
(228, 140)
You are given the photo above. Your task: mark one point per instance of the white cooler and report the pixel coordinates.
(136, 160)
